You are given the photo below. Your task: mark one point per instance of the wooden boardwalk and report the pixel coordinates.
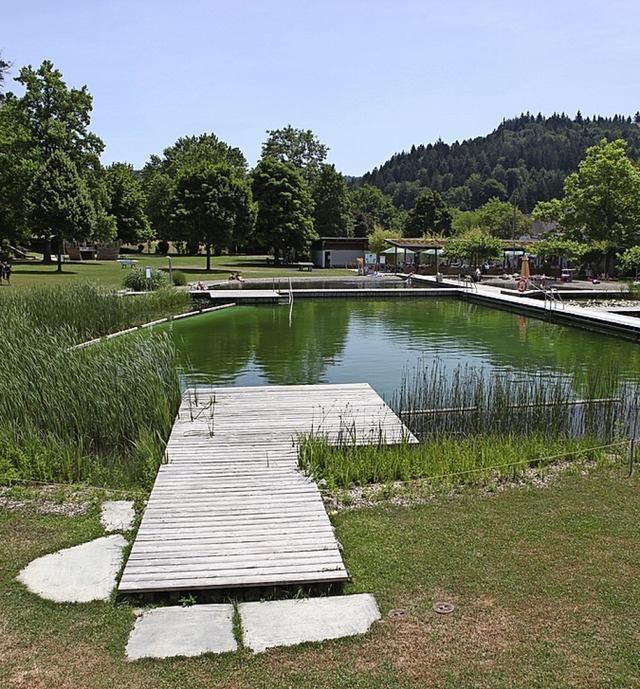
(230, 509)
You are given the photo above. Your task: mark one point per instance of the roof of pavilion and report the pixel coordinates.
(422, 244)
(417, 244)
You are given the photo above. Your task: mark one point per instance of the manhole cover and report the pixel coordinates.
(398, 613)
(443, 608)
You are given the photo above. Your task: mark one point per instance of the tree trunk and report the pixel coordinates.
(208, 247)
(60, 253)
(46, 254)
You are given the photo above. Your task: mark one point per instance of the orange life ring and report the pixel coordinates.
(522, 285)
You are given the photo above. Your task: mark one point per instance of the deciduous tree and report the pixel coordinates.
(502, 219)
(300, 147)
(126, 203)
(55, 119)
(602, 199)
(211, 205)
(477, 245)
(332, 203)
(59, 202)
(371, 208)
(160, 173)
(285, 209)
(430, 215)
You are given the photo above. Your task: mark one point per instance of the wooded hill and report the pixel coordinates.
(525, 160)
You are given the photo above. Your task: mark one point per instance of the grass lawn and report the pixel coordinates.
(111, 273)
(545, 584)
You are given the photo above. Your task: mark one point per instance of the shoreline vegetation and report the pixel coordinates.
(473, 430)
(97, 415)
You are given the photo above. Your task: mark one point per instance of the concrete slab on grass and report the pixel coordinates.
(192, 631)
(117, 515)
(290, 622)
(77, 575)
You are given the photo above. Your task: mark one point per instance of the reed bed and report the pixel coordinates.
(445, 462)
(99, 414)
(88, 310)
(475, 427)
(469, 401)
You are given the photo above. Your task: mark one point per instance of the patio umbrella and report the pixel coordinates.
(392, 250)
(402, 254)
(525, 273)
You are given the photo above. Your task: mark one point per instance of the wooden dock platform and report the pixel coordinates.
(230, 509)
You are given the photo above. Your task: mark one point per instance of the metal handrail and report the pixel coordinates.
(551, 295)
(468, 282)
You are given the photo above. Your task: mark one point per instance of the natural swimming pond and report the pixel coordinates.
(344, 341)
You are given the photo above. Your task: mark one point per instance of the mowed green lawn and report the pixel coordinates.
(544, 582)
(111, 273)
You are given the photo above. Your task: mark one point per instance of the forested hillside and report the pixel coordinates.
(525, 160)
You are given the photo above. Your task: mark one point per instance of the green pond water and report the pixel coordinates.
(343, 341)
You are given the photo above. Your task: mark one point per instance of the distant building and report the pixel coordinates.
(338, 252)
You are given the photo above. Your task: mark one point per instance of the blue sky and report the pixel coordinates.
(370, 78)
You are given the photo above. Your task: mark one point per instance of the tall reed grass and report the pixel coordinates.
(473, 426)
(100, 414)
(443, 461)
(468, 401)
(88, 310)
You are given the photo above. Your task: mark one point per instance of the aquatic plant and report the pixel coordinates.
(99, 414)
(473, 427)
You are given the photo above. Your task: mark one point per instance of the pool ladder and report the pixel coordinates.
(552, 298)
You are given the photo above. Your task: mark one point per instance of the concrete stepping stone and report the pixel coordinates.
(79, 574)
(173, 631)
(286, 623)
(117, 515)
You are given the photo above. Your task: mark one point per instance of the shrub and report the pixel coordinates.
(179, 278)
(136, 279)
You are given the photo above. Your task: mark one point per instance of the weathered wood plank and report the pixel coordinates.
(231, 508)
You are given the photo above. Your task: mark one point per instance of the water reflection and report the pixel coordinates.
(338, 341)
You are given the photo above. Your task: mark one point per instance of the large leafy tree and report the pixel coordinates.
(332, 214)
(212, 205)
(430, 215)
(58, 117)
(59, 202)
(299, 147)
(126, 203)
(502, 219)
(371, 208)
(602, 199)
(160, 173)
(17, 169)
(285, 209)
(54, 119)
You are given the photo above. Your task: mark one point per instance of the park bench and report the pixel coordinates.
(127, 262)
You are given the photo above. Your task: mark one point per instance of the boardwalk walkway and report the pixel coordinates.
(230, 508)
